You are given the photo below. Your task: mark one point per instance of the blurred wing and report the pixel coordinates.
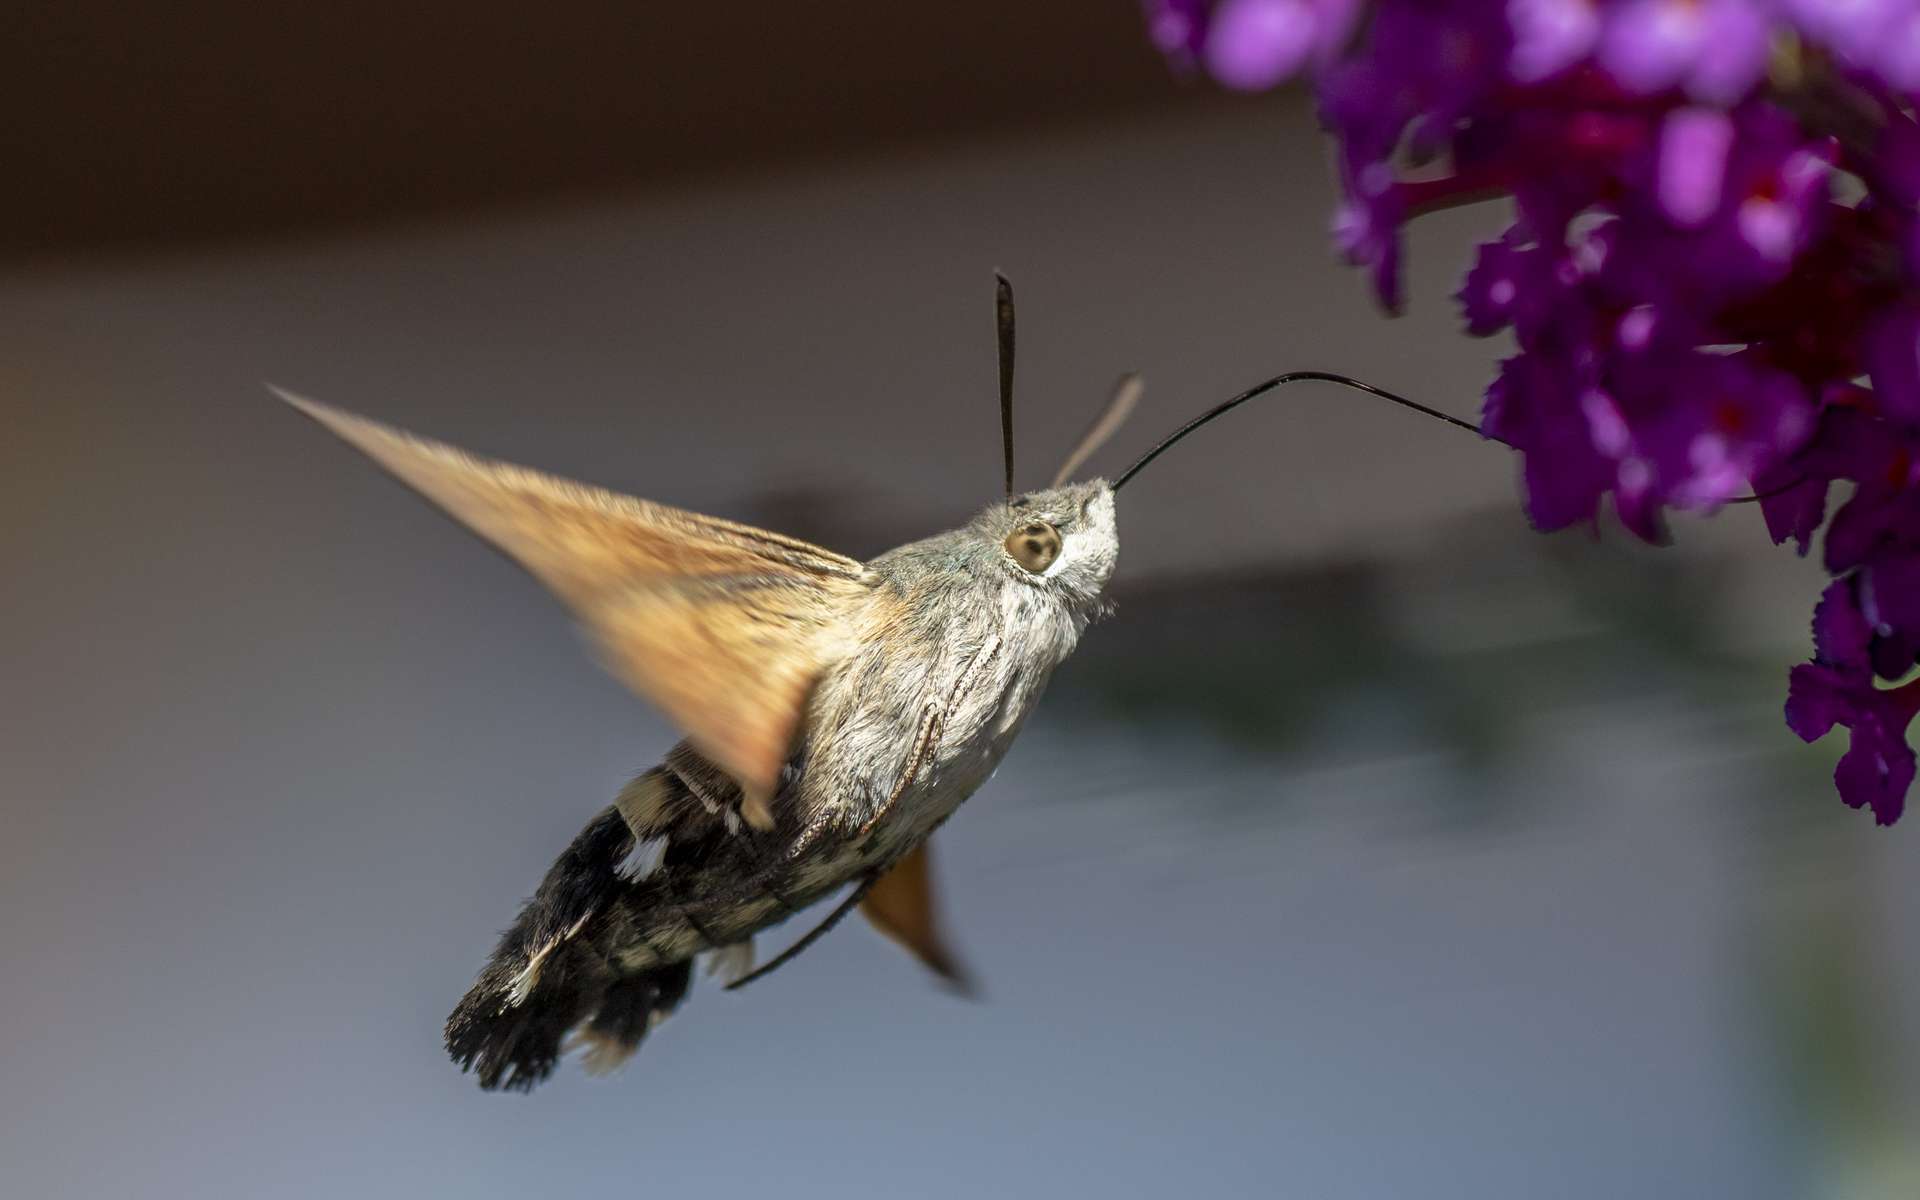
(726, 627)
(901, 905)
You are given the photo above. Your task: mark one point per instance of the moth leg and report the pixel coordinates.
(922, 749)
(813, 935)
(923, 746)
(931, 725)
(732, 962)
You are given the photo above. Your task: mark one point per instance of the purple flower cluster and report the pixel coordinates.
(1710, 273)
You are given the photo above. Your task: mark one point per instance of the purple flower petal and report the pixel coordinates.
(1534, 406)
(1889, 597)
(1896, 55)
(1509, 285)
(1177, 27)
(1893, 362)
(1605, 426)
(1691, 266)
(1694, 143)
(1649, 45)
(1852, 27)
(1818, 698)
(1334, 21)
(1838, 689)
(1366, 230)
(1840, 629)
(1878, 767)
(1793, 510)
(1550, 35)
(1769, 227)
(1703, 426)
(1253, 45)
(1734, 46)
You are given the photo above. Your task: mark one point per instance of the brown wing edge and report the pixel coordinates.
(902, 905)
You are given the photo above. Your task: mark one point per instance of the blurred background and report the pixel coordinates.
(1379, 846)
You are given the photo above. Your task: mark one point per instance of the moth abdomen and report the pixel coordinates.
(543, 978)
(603, 950)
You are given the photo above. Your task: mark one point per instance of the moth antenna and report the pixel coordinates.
(1003, 326)
(1126, 394)
(1278, 381)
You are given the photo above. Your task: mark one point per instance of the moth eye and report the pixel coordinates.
(1034, 546)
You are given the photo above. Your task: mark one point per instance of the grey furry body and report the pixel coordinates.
(955, 643)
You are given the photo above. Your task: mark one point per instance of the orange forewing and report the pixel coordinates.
(726, 627)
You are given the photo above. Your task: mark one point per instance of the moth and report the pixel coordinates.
(835, 713)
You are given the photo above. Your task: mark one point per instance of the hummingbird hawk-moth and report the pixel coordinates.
(835, 713)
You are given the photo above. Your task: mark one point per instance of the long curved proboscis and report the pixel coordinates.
(1279, 381)
(1259, 389)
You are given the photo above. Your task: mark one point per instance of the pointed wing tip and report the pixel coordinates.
(957, 979)
(337, 421)
(310, 407)
(390, 447)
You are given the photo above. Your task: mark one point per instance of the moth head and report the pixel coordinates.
(1062, 540)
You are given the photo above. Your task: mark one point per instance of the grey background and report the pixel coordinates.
(280, 748)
